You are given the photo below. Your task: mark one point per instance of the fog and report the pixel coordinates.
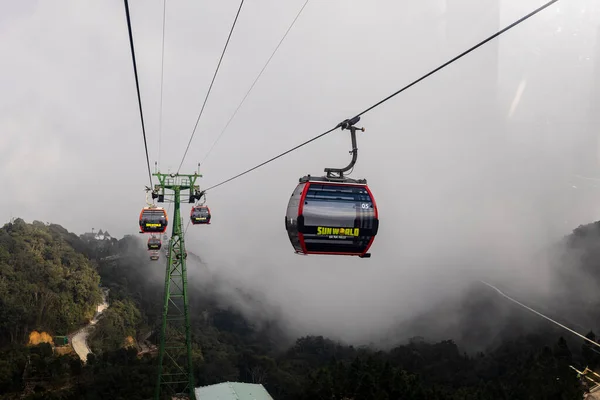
(475, 170)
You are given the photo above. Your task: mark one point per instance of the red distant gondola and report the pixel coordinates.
(200, 215)
(154, 243)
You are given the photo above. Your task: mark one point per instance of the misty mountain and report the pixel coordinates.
(239, 335)
(479, 319)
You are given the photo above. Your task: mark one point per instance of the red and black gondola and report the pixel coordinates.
(154, 255)
(200, 215)
(153, 220)
(334, 214)
(154, 243)
(335, 218)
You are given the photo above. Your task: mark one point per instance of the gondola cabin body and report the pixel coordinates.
(153, 220)
(154, 243)
(200, 215)
(335, 218)
(154, 255)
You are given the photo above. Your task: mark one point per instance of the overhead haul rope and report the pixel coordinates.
(211, 84)
(517, 22)
(137, 85)
(254, 83)
(186, 227)
(250, 90)
(540, 314)
(162, 69)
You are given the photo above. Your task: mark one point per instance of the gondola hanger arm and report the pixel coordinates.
(338, 173)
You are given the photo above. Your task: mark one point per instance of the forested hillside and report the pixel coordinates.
(46, 285)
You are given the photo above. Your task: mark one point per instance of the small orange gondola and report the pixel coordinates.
(153, 220)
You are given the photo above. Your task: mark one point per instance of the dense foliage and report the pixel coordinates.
(317, 368)
(118, 322)
(44, 283)
(228, 347)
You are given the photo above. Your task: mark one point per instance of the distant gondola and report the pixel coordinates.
(333, 214)
(153, 220)
(336, 218)
(154, 243)
(200, 215)
(154, 255)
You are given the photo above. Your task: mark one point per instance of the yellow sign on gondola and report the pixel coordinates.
(323, 230)
(148, 225)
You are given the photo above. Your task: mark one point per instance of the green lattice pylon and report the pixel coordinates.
(175, 368)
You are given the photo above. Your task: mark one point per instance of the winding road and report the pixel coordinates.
(79, 339)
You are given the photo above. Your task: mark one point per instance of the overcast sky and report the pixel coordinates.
(471, 169)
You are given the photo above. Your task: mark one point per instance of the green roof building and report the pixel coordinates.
(233, 391)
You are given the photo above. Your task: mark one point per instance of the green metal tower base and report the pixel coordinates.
(175, 368)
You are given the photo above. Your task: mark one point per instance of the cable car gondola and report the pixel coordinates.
(337, 218)
(333, 214)
(153, 220)
(154, 255)
(200, 215)
(154, 243)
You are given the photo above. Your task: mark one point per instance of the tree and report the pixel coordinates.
(588, 353)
